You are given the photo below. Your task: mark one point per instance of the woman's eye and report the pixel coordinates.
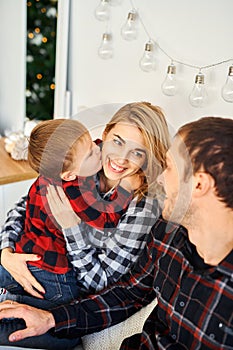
(117, 142)
(137, 154)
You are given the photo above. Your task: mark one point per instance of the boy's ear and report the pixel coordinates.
(68, 176)
(104, 133)
(203, 182)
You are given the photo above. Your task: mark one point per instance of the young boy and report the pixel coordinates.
(63, 154)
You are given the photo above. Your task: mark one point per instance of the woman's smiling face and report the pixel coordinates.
(123, 152)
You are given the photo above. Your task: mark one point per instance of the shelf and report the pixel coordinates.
(13, 170)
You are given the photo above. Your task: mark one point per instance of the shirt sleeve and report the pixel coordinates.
(14, 225)
(101, 257)
(110, 306)
(95, 210)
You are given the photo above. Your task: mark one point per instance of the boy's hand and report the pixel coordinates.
(61, 208)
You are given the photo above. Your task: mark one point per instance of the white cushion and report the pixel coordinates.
(112, 337)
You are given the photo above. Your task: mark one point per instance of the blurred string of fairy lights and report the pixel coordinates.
(129, 31)
(40, 58)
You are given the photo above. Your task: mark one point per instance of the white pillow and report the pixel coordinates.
(112, 337)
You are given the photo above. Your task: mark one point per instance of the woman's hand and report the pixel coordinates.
(16, 265)
(60, 207)
(37, 321)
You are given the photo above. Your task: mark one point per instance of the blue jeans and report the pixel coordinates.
(60, 288)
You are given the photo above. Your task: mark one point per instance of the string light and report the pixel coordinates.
(198, 97)
(129, 30)
(105, 50)
(102, 11)
(147, 62)
(227, 89)
(169, 86)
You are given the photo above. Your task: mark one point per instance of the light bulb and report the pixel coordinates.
(169, 86)
(147, 62)
(129, 31)
(105, 50)
(102, 11)
(198, 96)
(227, 89)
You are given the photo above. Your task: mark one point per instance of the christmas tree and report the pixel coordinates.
(41, 48)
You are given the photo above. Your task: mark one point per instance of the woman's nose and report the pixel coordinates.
(121, 160)
(123, 156)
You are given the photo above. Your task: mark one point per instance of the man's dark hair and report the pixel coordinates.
(209, 142)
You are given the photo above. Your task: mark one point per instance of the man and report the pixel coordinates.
(189, 268)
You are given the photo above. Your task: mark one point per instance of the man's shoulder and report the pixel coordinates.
(163, 228)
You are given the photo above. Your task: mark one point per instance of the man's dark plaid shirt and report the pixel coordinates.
(195, 300)
(43, 237)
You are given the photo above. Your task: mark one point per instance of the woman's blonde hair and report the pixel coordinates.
(151, 121)
(52, 144)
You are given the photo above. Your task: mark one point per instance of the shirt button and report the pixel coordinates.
(174, 336)
(182, 304)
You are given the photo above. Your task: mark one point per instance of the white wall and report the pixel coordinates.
(10, 194)
(12, 64)
(197, 32)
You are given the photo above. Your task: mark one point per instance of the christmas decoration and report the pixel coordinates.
(41, 47)
(16, 143)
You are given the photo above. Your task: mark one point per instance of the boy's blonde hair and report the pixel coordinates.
(151, 121)
(52, 144)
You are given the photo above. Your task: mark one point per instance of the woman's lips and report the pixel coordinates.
(114, 167)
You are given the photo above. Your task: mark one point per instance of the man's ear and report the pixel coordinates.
(68, 176)
(203, 182)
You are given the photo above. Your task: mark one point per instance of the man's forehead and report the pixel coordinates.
(178, 150)
(175, 145)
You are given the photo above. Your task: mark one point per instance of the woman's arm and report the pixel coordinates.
(16, 264)
(101, 257)
(14, 225)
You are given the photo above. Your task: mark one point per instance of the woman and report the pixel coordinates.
(138, 131)
(105, 259)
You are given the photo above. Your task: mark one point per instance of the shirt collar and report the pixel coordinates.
(181, 242)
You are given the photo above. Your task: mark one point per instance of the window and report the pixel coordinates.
(40, 58)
